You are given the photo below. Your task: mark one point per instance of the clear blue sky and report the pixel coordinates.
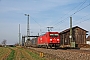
(42, 13)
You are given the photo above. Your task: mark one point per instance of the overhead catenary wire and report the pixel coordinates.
(38, 25)
(36, 22)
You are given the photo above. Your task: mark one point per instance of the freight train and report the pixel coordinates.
(48, 40)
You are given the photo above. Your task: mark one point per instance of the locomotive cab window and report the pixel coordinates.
(53, 35)
(56, 34)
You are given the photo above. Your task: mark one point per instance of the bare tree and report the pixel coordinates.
(16, 44)
(4, 42)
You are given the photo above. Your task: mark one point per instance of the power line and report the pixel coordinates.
(77, 23)
(82, 17)
(80, 9)
(74, 21)
(83, 21)
(72, 10)
(82, 4)
(73, 14)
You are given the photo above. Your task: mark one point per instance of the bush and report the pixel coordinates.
(0, 45)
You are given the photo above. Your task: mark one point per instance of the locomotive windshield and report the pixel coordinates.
(54, 35)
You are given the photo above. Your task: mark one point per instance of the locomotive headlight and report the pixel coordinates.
(50, 39)
(57, 39)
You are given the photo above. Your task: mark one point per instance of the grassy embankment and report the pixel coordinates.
(23, 54)
(34, 55)
(4, 53)
(11, 55)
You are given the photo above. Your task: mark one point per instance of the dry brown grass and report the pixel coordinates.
(18, 53)
(4, 53)
(21, 54)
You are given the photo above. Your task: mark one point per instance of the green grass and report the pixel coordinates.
(11, 56)
(35, 56)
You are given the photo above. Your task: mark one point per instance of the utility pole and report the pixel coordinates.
(19, 36)
(28, 31)
(49, 28)
(72, 43)
(23, 40)
(70, 29)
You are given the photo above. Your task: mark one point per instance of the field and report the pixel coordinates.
(17, 53)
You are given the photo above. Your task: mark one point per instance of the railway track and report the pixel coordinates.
(70, 50)
(79, 51)
(69, 54)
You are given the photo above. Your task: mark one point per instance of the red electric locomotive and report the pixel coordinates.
(49, 39)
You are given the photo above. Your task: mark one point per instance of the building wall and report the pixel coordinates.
(65, 40)
(79, 36)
